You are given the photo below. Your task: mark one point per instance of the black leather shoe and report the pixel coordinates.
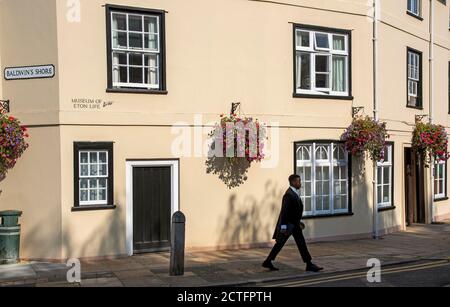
(268, 265)
(311, 267)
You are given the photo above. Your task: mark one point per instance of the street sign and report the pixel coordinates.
(29, 72)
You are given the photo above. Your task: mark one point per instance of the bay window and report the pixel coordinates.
(324, 170)
(322, 62)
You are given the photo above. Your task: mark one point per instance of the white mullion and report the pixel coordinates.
(313, 178)
(331, 176)
(313, 73)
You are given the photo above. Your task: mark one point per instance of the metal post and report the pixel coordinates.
(178, 244)
(376, 17)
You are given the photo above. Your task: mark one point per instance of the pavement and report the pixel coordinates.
(238, 267)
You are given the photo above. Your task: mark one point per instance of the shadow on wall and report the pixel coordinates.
(106, 239)
(251, 220)
(232, 171)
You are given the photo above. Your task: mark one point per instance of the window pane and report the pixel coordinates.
(92, 195)
(83, 195)
(102, 183)
(119, 22)
(386, 175)
(326, 173)
(337, 202)
(83, 184)
(319, 203)
(135, 59)
(308, 173)
(326, 203)
(102, 194)
(380, 190)
(135, 75)
(337, 188)
(322, 63)
(151, 60)
(93, 157)
(344, 187)
(103, 170)
(84, 157)
(135, 40)
(135, 23)
(338, 42)
(326, 188)
(307, 203)
(339, 73)
(344, 172)
(322, 41)
(322, 81)
(151, 76)
(303, 39)
(120, 74)
(304, 71)
(319, 188)
(102, 157)
(93, 183)
(151, 24)
(344, 204)
(307, 188)
(151, 42)
(120, 58)
(84, 170)
(386, 193)
(119, 39)
(94, 170)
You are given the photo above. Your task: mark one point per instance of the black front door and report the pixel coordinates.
(151, 208)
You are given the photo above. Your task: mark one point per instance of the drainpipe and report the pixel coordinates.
(431, 102)
(376, 17)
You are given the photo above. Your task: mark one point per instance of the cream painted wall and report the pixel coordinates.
(28, 37)
(34, 187)
(218, 52)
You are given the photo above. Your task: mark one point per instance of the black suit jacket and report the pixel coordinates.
(291, 211)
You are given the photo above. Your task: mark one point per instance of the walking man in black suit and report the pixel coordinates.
(289, 223)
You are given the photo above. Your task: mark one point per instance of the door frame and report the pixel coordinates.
(175, 192)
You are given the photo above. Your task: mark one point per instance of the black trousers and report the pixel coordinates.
(301, 245)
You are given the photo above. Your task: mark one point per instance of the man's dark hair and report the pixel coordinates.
(292, 178)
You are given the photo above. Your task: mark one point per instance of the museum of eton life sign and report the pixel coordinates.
(29, 72)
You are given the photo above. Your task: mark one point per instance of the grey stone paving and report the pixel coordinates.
(236, 266)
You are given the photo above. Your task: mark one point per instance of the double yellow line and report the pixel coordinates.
(341, 277)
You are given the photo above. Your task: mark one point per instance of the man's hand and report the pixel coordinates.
(283, 229)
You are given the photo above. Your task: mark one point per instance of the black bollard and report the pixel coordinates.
(178, 244)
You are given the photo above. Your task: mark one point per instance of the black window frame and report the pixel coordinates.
(417, 16)
(104, 146)
(162, 73)
(420, 86)
(350, 179)
(322, 29)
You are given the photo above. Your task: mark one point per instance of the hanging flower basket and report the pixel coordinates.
(238, 138)
(12, 142)
(430, 141)
(366, 135)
